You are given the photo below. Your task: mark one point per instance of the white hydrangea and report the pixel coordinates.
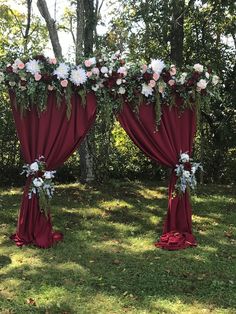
(186, 173)
(62, 71)
(146, 90)
(182, 78)
(49, 174)
(157, 65)
(198, 67)
(78, 76)
(33, 67)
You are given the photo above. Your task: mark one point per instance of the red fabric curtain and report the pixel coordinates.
(52, 135)
(174, 135)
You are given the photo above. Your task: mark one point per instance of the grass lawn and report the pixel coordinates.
(107, 263)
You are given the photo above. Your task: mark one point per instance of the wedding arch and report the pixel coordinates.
(54, 105)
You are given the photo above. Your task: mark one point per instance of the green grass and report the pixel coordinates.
(107, 263)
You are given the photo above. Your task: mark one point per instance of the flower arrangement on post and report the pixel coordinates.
(42, 182)
(185, 171)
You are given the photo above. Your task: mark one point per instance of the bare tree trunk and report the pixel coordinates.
(177, 31)
(51, 25)
(84, 45)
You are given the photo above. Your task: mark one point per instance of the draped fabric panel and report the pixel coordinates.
(52, 135)
(174, 135)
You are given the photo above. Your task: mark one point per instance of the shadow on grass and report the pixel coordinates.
(109, 252)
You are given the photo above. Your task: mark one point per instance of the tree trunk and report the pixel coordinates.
(84, 39)
(177, 31)
(51, 25)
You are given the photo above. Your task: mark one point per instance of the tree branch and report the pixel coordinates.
(51, 25)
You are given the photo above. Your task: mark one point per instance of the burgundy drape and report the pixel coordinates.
(55, 137)
(174, 135)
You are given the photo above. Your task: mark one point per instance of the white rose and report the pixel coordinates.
(121, 90)
(186, 173)
(34, 167)
(202, 84)
(157, 65)
(104, 70)
(215, 80)
(95, 87)
(37, 182)
(184, 157)
(119, 81)
(198, 67)
(48, 174)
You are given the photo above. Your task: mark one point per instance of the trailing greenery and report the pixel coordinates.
(107, 262)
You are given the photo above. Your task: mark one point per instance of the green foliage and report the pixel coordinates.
(108, 263)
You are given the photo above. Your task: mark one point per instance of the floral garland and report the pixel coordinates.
(185, 171)
(155, 83)
(42, 185)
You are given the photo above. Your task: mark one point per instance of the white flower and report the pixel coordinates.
(37, 182)
(104, 70)
(202, 84)
(62, 71)
(1, 77)
(215, 80)
(33, 67)
(121, 90)
(157, 65)
(207, 75)
(49, 174)
(95, 87)
(146, 90)
(92, 60)
(122, 70)
(184, 157)
(119, 81)
(34, 167)
(12, 83)
(78, 76)
(186, 173)
(198, 67)
(182, 78)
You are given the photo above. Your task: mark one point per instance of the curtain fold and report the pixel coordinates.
(174, 135)
(52, 135)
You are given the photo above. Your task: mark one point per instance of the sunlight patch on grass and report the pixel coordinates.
(11, 192)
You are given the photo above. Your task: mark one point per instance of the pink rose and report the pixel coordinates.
(53, 61)
(156, 76)
(152, 83)
(64, 83)
(37, 77)
(172, 70)
(95, 71)
(171, 82)
(89, 74)
(21, 66)
(88, 63)
(144, 68)
(50, 87)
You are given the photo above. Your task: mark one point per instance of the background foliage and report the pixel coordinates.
(145, 29)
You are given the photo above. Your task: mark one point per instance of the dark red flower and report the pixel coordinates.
(187, 166)
(166, 76)
(9, 69)
(190, 82)
(47, 78)
(196, 75)
(40, 57)
(23, 83)
(147, 76)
